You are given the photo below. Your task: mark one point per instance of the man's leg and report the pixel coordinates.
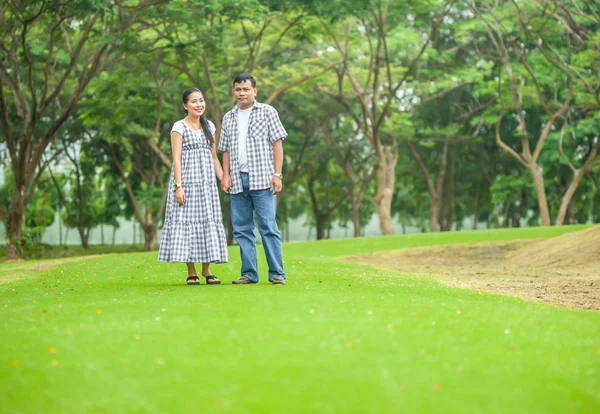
(242, 221)
(265, 204)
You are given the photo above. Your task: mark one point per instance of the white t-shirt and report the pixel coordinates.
(243, 118)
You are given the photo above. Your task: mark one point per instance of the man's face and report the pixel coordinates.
(244, 93)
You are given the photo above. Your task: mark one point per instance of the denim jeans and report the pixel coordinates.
(243, 207)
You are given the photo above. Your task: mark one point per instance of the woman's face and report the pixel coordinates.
(195, 104)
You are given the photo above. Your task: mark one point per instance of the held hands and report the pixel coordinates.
(276, 185)
(226, 184)
(180, 196)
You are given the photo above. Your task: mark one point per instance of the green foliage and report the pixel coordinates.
(459, 88)
(508, 188)
(40, 211)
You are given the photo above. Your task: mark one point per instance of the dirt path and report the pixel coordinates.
(563, 271)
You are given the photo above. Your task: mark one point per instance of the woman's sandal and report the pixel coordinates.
(212, 280)
(193, 280)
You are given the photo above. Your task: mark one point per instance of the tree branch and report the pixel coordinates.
(560, 148)
(283, 88)
(428, 180)
(72, 63)
(134, 202)
(35, 181)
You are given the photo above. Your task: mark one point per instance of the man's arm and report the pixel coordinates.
(276, 183)
(278, 156)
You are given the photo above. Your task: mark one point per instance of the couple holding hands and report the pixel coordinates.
(251, 142)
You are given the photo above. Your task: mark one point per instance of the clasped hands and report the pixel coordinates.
(275, 184)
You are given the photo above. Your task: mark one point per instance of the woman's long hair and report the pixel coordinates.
(203, 122)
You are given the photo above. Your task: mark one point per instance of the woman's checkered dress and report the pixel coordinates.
(194, 232)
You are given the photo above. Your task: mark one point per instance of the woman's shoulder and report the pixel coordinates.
(178, 126)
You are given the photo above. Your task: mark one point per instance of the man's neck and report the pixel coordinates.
(248, 107)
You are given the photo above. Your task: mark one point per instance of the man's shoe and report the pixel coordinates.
(243, 281)
(278, 281)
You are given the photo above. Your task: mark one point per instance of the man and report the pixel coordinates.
(251, 141)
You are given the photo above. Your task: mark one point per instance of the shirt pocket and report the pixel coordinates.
(259, 127)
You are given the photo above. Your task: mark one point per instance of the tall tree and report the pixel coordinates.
(378, 67)
(49, 53)
(516, 55)
(570, 44)
(137, 134)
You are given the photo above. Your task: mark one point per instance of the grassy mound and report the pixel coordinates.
(562, 270)
(578, 249)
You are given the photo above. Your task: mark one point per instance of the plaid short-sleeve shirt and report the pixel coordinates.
(264, 129)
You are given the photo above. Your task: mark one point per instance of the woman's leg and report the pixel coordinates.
(192, 278)
(192, 269)
(206, 273)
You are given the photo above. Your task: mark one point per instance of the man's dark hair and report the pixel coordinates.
(242, 77)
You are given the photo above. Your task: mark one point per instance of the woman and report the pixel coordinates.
(193, 228)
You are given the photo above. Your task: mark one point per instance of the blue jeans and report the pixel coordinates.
(243, 207)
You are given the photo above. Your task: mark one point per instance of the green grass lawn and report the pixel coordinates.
(122, 334)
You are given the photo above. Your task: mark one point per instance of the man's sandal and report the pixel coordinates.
(212, 280)
(193, 280)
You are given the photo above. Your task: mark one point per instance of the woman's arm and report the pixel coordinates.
(216, 163)
(176, 144)
(226, 181)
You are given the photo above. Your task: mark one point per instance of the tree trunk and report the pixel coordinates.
(386, 179)
(435, 214)
(578, 175)
(506, 215)
(521, 211)
(84, 237)
(476, 210)
(538, 179)
(447, 207)
(436, 190)
(15, 223)
(320, 226)
(114, 235)
(570, 217)
(355, 212)
(450, 196)
(568, 197)
(60, 239)
(515, 218)
(320, 217)
(150, 231)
